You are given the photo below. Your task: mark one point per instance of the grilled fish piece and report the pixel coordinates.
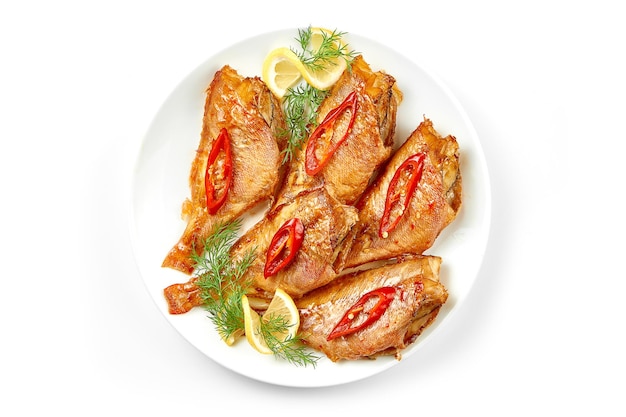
(407, 297)
(325, 224)
(182, 297)
(253, 118)
(365, 147)
(434, 204)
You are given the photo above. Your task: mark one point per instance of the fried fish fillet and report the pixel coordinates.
(325, 221)
(325, 224)
(253, 119)
(369, 139)
(182, 297)
(407, 296)
(433, 205)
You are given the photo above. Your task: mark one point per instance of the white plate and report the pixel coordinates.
(160, 184)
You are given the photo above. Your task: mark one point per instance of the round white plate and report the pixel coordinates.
(160, 184)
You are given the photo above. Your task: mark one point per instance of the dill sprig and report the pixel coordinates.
(329, 50)
(291, 349)
(222, 287)
(220, 280)
(300, 104)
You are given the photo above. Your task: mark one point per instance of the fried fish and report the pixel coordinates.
(354, 136)
(308, 254)
(417, 195)
(375, 312)
(237, 163)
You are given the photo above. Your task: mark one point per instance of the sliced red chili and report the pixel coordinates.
(219, 172)
(346, 324)
(400, 191)
(321, 145)
(284, 246)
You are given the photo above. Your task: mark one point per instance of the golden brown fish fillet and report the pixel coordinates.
(252, 116)
(325, 223)
(367, 145)
(413, 295)
(433, 205)
(182, 297)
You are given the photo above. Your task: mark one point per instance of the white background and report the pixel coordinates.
(541, 332)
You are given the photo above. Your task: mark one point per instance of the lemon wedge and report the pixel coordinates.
(281, 69)
(326, 77)
(317, 36)
(282, 306)
(231, 339)
(252, 327)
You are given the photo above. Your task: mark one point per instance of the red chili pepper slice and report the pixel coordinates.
(324, 132)
(344, 327)
(400, 191)
(219, 172)
(284, 246)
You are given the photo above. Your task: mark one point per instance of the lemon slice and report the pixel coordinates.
(281, 69)
(230, 340)
(326, 77)
(282, 305)
(252, 327)
(317, 37)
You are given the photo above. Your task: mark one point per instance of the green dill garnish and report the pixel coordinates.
(327, 52)
(222, 287)
(300, 103)
(220, 280)
(289, 349)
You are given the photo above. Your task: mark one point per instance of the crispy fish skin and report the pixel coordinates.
(253, 119)
(182, 297)
(326, 223)
(434, 205)
(366, 148)
(418, 298)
